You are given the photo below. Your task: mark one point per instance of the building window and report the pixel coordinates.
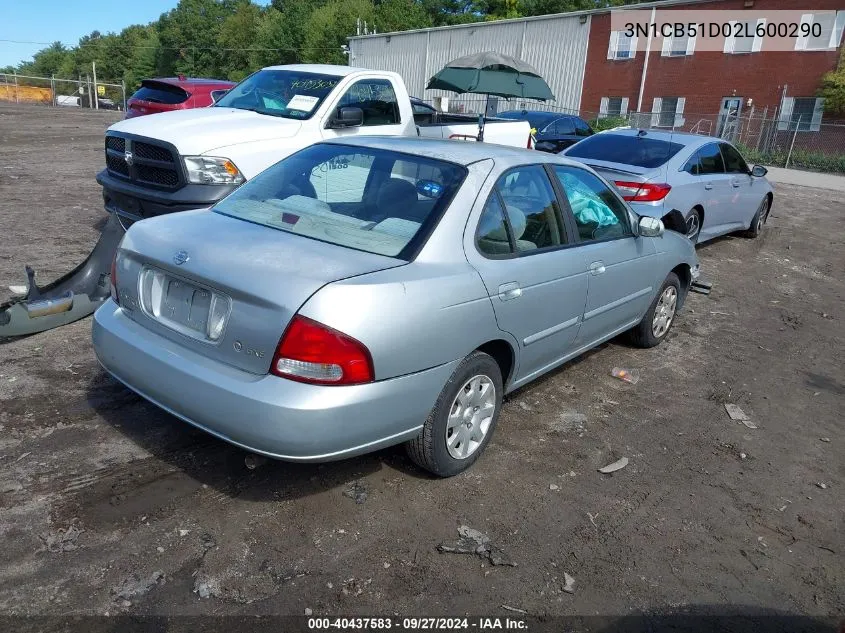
(613, 106)
(832, 25)
(745, 45)
(621, 46)
(667, 112)
(801, 113)
(677, 46)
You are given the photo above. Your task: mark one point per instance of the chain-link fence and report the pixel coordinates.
(83, 92)
(795, 140)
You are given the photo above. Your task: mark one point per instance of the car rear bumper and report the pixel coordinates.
(264, 414)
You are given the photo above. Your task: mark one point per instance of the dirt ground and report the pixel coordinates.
(108, 505)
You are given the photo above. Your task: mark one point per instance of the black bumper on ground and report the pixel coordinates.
(135, 203)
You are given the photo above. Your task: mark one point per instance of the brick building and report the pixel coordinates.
(683, 87)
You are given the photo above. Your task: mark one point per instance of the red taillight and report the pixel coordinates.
(113, 279)
(315, 353)
(643, 191)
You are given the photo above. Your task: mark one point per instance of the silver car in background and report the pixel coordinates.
(372, 291)
(703, 179)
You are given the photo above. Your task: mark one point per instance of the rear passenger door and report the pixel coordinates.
(704, 179)
(536, 281)
(619, 265)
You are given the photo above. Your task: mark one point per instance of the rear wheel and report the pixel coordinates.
(693, 227)
(462, 421)
(759, 219)
(660, 316)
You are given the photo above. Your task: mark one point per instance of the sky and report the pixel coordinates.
(67, 21)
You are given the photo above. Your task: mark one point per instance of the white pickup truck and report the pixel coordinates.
(189, 159)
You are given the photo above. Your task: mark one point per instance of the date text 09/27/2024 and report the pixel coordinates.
(723, 29)
(417, 624)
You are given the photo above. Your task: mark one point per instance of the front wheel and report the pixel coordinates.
(461, 423)
(759, 219)
(661, 314)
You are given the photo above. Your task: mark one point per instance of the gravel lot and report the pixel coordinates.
(108, 505)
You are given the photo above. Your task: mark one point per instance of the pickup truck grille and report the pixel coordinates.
(143, 162)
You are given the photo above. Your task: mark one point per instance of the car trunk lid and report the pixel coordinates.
(224, 287)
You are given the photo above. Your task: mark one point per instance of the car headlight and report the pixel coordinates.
(212, 170)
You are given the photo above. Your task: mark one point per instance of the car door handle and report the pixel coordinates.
(597, 268)
(708, 185)
(735, 183)
(509, 291)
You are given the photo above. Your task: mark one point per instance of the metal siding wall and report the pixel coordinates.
(556, 47)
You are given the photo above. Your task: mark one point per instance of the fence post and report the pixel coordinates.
(96, 94)
(792, 144)
(15, 74)
(53, 89)
(123, 91)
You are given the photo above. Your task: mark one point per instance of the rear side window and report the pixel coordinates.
(565, 126)
(524, 203)
(377, 201)
(639, 151)
(158, 92)
(376, 98)
(581, 128)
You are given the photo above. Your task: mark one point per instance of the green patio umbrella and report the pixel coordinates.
(492, 73)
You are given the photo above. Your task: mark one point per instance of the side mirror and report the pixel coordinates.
(650, 227)
(348, 117)
(759, 171)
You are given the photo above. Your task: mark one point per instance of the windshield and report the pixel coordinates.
(640, 151)
(282, 93)
(377, 201)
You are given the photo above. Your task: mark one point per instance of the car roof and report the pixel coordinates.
(320, 69)
(543, 114)
(683, 138)
(191, 81)
(461, 152)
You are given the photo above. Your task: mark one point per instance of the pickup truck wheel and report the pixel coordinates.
(759, 219)
(656, 323)
(462, 421)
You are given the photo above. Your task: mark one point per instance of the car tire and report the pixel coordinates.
(467, 397)
(693, 225)
(660, 316)
(759, 219)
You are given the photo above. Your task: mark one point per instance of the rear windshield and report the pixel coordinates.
(283, 93)
(640, 151)
(157, 92)
(371, 200)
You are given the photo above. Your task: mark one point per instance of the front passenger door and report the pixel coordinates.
(619, 265)
(740, 179)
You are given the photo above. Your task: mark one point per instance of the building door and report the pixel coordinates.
(729, 118)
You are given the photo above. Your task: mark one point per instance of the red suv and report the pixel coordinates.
(175, 93)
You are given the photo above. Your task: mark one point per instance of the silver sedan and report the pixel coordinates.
(373, 291)
(699, 185)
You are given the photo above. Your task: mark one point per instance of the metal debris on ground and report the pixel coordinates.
(253, 461)
(631, 376)
(821, 485)
(474, 542)
(569, 583)
(62, 540)
(612, 468)
(554, 487)
(826, 440)
(739, 415)
(357, 492)
(514, 609)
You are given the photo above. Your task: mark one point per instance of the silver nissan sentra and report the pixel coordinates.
(372, 291)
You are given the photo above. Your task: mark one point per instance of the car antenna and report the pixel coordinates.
(642, 132)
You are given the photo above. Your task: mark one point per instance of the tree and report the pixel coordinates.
(189, 37)
(237, 35)
(833, 88)
(329, 26)
(47, 61)
(400, 15)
